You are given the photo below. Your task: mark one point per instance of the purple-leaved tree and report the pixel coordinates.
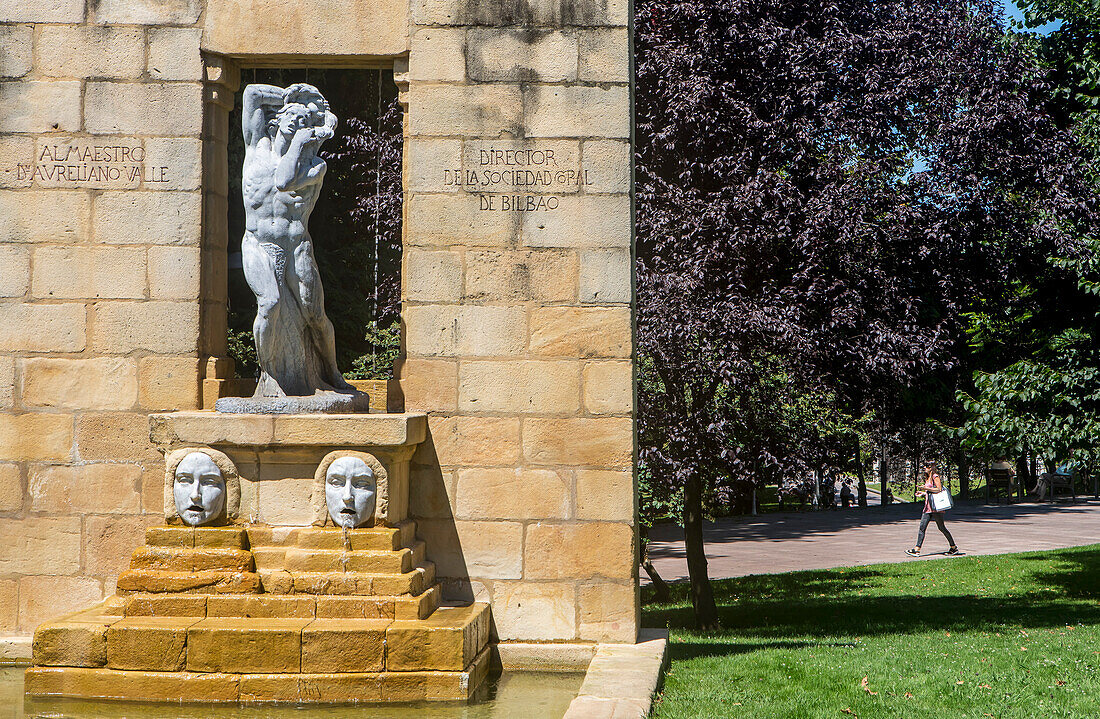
(824, 190)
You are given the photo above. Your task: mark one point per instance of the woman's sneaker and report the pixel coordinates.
(954, 550)
(913, 552)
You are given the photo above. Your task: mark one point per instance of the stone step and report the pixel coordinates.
(197, 537)
(180, 559)
(203, 582)
(450, 640)
(413, 582)
(298, 688)
(398, 561)
(284, 606)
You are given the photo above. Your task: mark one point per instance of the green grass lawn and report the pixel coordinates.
(1014, 635)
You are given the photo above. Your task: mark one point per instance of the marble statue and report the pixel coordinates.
(350, 492)
(199, 489)
(282, 176)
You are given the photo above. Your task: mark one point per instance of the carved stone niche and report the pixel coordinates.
(276, 459)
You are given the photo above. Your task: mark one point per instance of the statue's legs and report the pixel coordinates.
(311, 296)
(261, 273)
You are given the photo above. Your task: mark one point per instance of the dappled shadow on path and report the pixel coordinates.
(666, 538)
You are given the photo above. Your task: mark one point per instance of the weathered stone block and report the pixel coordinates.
(261, 606)
(40, 106)
(24, 220)
(608, 163)
(512, 494)
(90, 51)
(42, 11)
(15, 50)
(608, 612)
(344, 645)
(258, 27)
(207, 582)
(108, 542)
(429, 385)
(35, 436)
(439, 220)
(115, 437)
(579, 551)
(15, 265)
(581, 331)
(552, 13)
(526, 55)
(430, 491)
(88, 272)
(42, 328)
(44, 597)
(178, 160)
(604, 55)
(149, 643)
(9, 605)
(606, 443)
(147, 12)
(174, 53)
(88, 488)
(153, 108)
(608, 387)
(167, 383)
(11, 487)
(175, 687)
(534, 611)
(473, 441)
(515, 276)
(157, 326)
(174, 273)
(519, 386)
(432, 276)
(434, 164)
(475, 110)
(605, 495)
(17, 149)
(448, 640)
(355, 607)
(438, 54)
(489, 550)
(606, 276)
(102, 383)
(468, 330)
(341, 688)
(577, 111)
(71, 644)
(582, 221)
(155, 218)
(166, 605)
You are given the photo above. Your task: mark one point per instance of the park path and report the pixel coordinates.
(788, 541)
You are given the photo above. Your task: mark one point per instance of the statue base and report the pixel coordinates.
(320, 403)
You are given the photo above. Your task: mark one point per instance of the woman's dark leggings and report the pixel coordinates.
(938, 516)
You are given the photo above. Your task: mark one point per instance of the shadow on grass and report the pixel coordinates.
(975, 594)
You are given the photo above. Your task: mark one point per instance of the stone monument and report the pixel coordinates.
(295, 343)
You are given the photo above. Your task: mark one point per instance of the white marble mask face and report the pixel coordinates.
(199, 489)
(350, 492)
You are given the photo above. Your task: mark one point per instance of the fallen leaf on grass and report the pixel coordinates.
(1060, 682)
(849, 711)
(960, 682)
(984, 686)
(908, 695)
(866, 687)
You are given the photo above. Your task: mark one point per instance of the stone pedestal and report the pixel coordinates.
(275, 612)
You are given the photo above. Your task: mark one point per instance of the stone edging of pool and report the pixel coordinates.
(622, 679)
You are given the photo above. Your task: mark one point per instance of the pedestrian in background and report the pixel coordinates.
(932, 485)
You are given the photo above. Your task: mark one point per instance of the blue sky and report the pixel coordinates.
(1014, 13)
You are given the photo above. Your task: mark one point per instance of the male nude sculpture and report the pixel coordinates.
(295, 345)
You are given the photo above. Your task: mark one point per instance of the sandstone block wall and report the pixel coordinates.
(517, 310)
(516, 282)
(100, 243)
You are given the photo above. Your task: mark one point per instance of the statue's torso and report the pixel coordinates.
(275, 216)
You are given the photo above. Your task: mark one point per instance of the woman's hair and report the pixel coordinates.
(929, 468)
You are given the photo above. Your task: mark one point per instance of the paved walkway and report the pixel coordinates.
(788, 541)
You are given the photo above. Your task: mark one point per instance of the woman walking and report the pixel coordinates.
(932, 485)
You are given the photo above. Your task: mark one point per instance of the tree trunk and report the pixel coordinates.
(964, 474)
(861, 487)
(660, 587)
(1023, 475)
(702, 594)
(883, 478)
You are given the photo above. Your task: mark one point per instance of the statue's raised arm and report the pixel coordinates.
(259, 106)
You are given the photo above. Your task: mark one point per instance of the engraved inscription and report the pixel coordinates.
(518, 179)
(113, 164)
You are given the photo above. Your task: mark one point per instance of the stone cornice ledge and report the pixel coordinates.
(622, 679)
(169, 430)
